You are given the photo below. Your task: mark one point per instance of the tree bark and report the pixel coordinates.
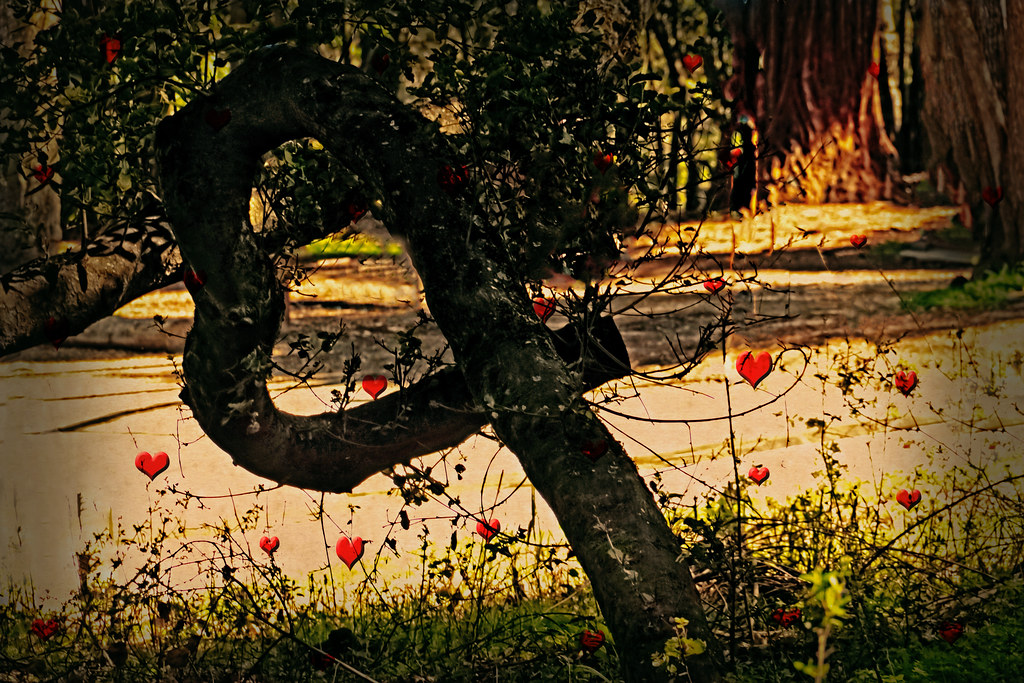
(510, 364)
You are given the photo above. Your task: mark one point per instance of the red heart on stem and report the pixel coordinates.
(591, 641)
(754, 369)
(786, 617)
(349, 550)
(43, 173)
(56, 330)
(217, 118)
(355, 209)
(692, 62)
(905, 381)
(375, 385)
(950, 631)
(594, 449)
(194, 280)
(908, 499)
(758, 474)
(858, 240)
(874, 69)
(714, 285)
(544, 308)
(269, 545)
(603, 161)
(992, 195)
(489, 529)
(45, 629)
(152, 465)
(111, 48)
(734, 155)
(453, 179)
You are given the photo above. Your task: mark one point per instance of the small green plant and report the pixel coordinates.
(827, 593)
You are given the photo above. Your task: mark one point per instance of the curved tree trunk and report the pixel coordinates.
(510, 365)
(813, 100)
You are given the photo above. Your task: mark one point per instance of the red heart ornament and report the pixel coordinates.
(152, 465)
(269, 545)
(594, 449)
(858, 240)
(349, 550)
(734, 155)
(591, 641)
(111, 48)
(544, 308)
(56, 330)
(758, 474)
(194, 280)
(950, 631)
(908, 499)
(489, 529)
(905, 381)
(714, 285)
(45, 629)
(992, 195)
(692, 62)
(603, 161)
(786, 617)
(356, 209)
(217, 118)
(43, 173)
(453, 179)
(754, 369)
(874, 69)
(375, 385)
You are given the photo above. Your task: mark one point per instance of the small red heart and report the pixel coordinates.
(858, 240)
(380, 62)
(489, 529)
(349, 550)
(217, 118)
(758, 474)
(603, 161)
(453, 179)
(874, 69)
(714, 285)
(43, 173)
(194, 280)
(591, 641)
(152, 465)
(56, 330)
(754, 369)
(950, 631)
(905, 382)
(734, 155)
(908, 499)
(356, 209)
(992, 195)
(692, 62)
(45, 629)
(544, 308)
(269, 545)
(375, 385)
(111, 48)
(594, 449)
(786, 617)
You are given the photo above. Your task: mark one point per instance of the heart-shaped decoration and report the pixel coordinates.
(734, 155)
(380, 62)
(375, 385)
(858, 240)
(56, 330)
(591, 641)
(874, 69)
(714, 285)
(269, 545)
(544, 308)
(217, 118)
(786, 617)
(992, 195)
(603, 161)
(489, 529)
(905, 381)
(43, 173)
(45, 629)
(111, 48)
(754, 369)
(453, 179)
(950, 631)
(692, 62)
(908, 499)
(152, 465)
(594, 449)
(758, 474)
(193, 279)
(355, 209)
(349, 550)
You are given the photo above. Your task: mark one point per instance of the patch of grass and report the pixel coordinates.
(357, 246)
(988, 292)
